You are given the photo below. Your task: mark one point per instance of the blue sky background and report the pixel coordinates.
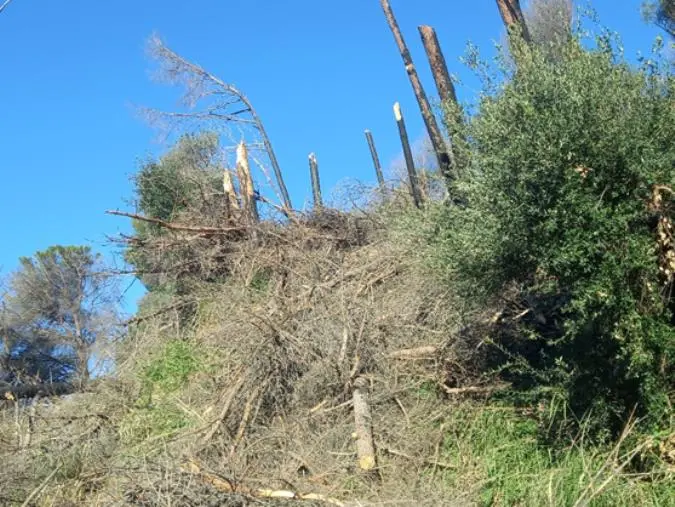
(319, 73)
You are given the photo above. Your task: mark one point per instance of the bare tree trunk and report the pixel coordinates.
(273, 160)
(363, 425)
(513, 18)
(444, 84)
(376, 159)
(316, 183)
(446, 91)
(445, 157)
(407, 155)
(246, 184)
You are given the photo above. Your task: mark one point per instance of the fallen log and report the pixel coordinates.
(228, 486)
(363, 424)
(424, 352)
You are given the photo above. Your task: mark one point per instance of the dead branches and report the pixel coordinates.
(209, 231)
(192, 467)
(229, 106)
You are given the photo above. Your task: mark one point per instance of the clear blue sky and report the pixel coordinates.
(319, 73)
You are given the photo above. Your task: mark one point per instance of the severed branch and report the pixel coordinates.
(176, 227)
(475, 389)
(229, 486)
(424, 352)
(363, 426)
(143, 318)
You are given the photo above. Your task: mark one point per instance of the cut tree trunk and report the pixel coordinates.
(407, 155)
(316, 183)
(444, 156)
(376, 159)
(363, 422)
(513, 18)
(439, 69)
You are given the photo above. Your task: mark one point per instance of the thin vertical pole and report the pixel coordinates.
(316, 183)
(446, 162)
(407, 154)
(376, 159)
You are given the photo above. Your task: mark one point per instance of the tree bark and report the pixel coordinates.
(513, 18)
(376, 159)
(363, 423)
(316, 183)
(439, 69)
(407, 155)
(445, 157)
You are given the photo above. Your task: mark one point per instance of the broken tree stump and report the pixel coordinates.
(445, 157)
(316, 183)
(376, 159)
(407, 155)
(246, 187)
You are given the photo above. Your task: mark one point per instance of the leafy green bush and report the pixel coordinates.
(184, 185)
(172, 369)
(568, 187)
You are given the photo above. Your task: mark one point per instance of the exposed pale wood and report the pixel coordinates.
(230, 193)
(475, 389)
(363, 424)
(177, 65)
(246, 187)
(228, 486)
(445, 157)
(408, 156)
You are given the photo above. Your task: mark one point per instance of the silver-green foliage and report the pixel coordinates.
(563, 161)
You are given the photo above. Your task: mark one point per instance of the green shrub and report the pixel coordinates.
(173, 367)
(560, 187)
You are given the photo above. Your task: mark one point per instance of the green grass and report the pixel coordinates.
(498, 453)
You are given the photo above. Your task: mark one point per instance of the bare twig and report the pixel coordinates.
(228, 486)
(197, 80)
(29, 499)
(176, 227)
